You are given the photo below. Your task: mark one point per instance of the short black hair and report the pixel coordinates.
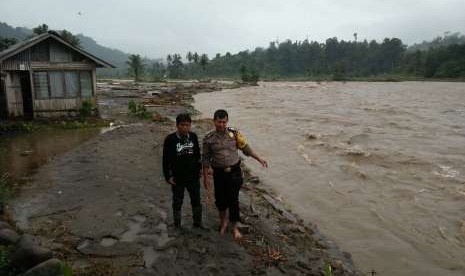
(220, 114)
(183, 117)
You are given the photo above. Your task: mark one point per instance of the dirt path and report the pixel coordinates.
(105, 209)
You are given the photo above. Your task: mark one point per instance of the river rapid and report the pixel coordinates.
(378, 167)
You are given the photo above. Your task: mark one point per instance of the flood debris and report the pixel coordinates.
(280, 208)
(357, 151)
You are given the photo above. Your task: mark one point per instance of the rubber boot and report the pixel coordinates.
(197, 216)
(177, 218)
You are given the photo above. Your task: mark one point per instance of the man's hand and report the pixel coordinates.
(206, 177)
(206, 183)
(258, 158)
(263, 162)
(171, 181)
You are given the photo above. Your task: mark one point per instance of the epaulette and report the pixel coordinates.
(233, 129)
(209, 134)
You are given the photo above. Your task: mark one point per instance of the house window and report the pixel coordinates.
(41, 85)
(86, 84)
(63, 84)
(72, 84)
(57, 89)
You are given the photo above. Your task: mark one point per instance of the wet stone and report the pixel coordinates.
(28, 254)
(4, 225)
(8, 236)
(52, 267)
(150, 256)
(108, 241)
(117, 249)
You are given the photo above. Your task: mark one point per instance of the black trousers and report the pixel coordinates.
(227, 186)
(193, 187)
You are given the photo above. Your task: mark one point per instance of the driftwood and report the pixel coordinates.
(278, 207)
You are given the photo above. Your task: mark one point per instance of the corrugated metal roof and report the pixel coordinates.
(21, 46)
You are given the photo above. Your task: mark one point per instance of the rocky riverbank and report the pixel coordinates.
(105, 209)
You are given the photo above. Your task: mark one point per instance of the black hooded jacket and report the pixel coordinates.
(181, 157)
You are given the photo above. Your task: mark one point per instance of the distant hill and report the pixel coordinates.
(18, 33)
(446, 40)
(114, 56)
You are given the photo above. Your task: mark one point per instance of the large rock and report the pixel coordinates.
(4, 225)
(52, 267)
(28, 254)
(8, 236)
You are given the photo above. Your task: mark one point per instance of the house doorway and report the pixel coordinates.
(3, 103)
(27, 94)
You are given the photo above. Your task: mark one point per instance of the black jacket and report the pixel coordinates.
(181, 157)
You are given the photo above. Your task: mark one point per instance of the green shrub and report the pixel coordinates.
(138, 110)
(249, 76)
(86, 108)
(327, 270)
(5, 191)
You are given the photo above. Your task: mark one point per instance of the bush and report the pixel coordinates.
(138, 110)
(5, 191)
(251, 76)
(86, 108)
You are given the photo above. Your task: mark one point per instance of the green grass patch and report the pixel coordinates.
(31, 126)
(5, 191)
(5, 268)
(138, 110)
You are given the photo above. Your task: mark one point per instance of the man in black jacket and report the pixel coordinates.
(181, 168)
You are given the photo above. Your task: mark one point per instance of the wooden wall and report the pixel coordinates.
(14, 96)
(59, 107)
(3, 102)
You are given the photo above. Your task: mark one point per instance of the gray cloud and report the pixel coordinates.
(156, 28)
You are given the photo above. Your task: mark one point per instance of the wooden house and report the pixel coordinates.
(46, 76)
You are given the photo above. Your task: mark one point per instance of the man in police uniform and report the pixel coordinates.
(220, 152)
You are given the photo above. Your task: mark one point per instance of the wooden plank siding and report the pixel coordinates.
(3, 102)
(14, 65)
(62, 66)
(14, 96)
(59, 107)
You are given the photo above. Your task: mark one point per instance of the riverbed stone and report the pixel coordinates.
(52, 267)
(29, 254)
(4, 225)
(8, 236)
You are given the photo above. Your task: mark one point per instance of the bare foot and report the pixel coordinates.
(222, 227)
(236, 233)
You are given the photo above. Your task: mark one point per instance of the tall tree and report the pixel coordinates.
(203, 61)
(136, 66)
(41, 29)
(176, 66)
(189, 56)
(70, 38)
(195, 58)
(6, 42)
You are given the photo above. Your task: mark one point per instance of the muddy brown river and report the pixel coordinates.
(379, 167)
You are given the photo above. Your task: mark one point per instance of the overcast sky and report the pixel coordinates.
(155, 28)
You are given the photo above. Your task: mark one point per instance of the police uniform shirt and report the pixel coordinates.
(220, 149)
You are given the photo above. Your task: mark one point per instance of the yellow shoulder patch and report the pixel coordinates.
(241, 142)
